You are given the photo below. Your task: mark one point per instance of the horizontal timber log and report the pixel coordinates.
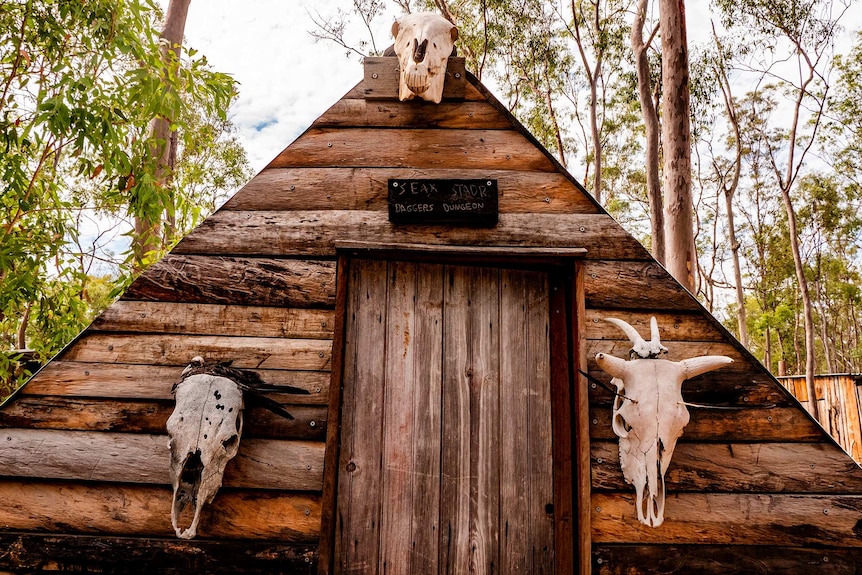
(314, 233)
(677, 351)
(360, 113)
(33, 552)
(717, 388)
(216, 319)
(737, 518)
(237, 281)
(414, 148)
(145, 458)
(817, 468)
(633, 285)
(145, 510)
(130, 416)
(137, 381)
(244, 352)
(471, 94)
(673, 326)
(724, 560)
(366, 189)
(785, 424)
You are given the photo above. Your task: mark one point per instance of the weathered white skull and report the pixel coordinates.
(423, 44)
(649, 414)
(205, 429)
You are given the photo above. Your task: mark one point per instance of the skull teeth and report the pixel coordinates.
(417, 83)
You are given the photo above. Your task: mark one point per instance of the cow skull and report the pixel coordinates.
(649, 413)
(423, 44)
(205, 429)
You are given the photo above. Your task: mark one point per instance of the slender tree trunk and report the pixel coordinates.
(148, 233)
(785, 183)
(828, 352)
(767, 349)
(597, 142)
(651, 124)
(741, 316)
(676, 144)
(22, 327)
(807, 313)
(558, 134)
(730, 191)
(593, 73)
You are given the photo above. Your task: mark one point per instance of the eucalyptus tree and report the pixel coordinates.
(801, 32)
(79, 85)
(163, 148)
(680, 253)
(652, 127)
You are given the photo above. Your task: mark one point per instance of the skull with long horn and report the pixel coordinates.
(649, 414)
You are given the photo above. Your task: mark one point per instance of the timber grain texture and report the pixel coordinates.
(724, 559)
(46, 553)
(145, 416)
(521, 191)
(153, 382)
(134, 510)
(313, 233)
(237, 281)
(144, 458)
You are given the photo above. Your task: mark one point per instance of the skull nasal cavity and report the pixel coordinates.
(419, 50)
(192, 468)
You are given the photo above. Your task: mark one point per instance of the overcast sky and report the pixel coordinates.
(287, 79)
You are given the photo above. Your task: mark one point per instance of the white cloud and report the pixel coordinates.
(286, 78)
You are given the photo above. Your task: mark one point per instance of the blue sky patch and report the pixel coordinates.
(265, 124)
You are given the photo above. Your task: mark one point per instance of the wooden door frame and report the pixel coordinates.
(569, 401)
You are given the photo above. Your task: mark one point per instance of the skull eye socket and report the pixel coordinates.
(623, 424)
(230, 442)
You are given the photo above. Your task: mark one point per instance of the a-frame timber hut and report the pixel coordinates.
(447, 428)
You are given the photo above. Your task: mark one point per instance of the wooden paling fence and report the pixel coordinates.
(840, 406)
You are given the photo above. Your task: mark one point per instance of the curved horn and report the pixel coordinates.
(640, 347)
(655, 345)
(615, 366)
(630, 332)
(698, 365)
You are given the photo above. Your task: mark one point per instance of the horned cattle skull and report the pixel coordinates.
(649, 413)
(423, 44)
(205, 430)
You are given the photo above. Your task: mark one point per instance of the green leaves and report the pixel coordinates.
(79, 84)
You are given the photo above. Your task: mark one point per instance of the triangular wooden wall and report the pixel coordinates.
(85, 451)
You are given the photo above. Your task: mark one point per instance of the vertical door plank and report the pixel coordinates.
(428, 338)
(358, 519)
(540, 478)
(515, 536)
(398, 430)
(565, 550)
(582, 561)
(455, 453)
(527, 479)
(326, 552)
(484, 370)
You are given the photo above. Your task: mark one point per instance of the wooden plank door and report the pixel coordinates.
(446, 431)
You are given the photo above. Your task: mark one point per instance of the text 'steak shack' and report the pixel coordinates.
(439, 284)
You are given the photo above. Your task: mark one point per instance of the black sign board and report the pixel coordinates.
(462, 202)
